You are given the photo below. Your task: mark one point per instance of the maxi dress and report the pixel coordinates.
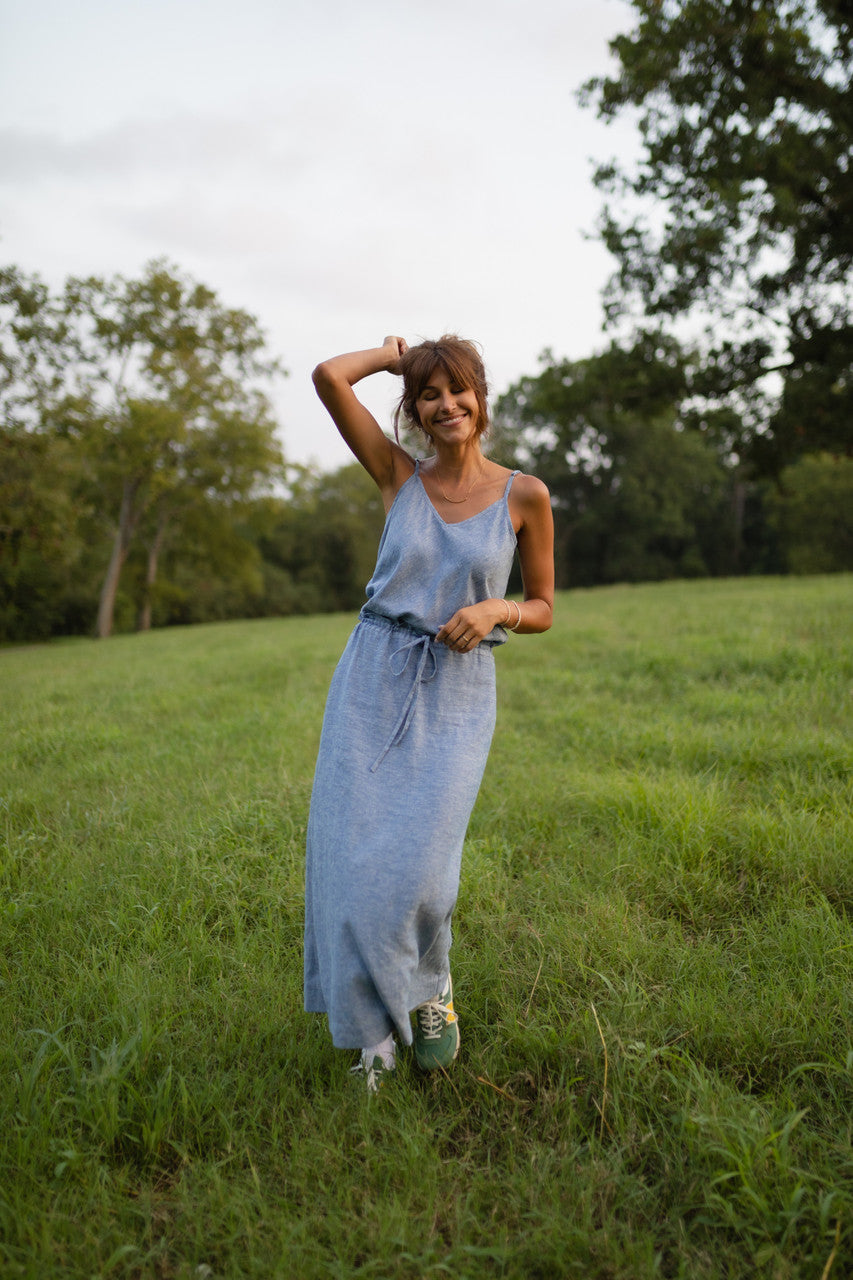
(405, 738)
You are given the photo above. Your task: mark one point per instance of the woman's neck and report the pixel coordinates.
(459, 460)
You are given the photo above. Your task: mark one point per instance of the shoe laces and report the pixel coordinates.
(432, 1017)
(374, 1074)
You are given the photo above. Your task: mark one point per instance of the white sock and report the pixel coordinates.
(385, 1050)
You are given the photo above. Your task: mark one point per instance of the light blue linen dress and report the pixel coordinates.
(405, 738)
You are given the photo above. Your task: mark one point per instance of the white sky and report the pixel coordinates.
(342, 169)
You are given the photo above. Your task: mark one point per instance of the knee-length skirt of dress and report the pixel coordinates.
(406, 735)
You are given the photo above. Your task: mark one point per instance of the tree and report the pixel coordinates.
(325, 538)
(636, 494)
(740, 209)
(130, 410)
(169, 378)
(213, 572)
(40, 473)
(222, 462)
(40, 530)
(812, 512)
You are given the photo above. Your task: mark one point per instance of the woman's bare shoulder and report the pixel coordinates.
(530, 490)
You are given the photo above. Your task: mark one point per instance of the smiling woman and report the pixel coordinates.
(411, 708)
(435, 368)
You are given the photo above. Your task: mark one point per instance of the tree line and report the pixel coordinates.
(141, 478)
(142, 481)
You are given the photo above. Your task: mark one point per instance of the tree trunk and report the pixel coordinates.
(563, 553)
(121, 543)
(143, 622)
(738, 508)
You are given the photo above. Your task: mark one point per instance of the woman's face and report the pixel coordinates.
(447, 411)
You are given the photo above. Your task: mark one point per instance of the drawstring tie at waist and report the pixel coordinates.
(425, 672)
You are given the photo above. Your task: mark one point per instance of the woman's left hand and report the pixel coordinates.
(468, 626)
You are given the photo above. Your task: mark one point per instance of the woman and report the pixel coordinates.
(411, 708)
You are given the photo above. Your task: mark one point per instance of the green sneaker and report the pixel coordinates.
(375, 1073)
(436, 1038)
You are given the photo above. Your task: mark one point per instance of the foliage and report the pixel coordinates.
(325, 538)
(637, 495)
(36, 344)
(39, 472)
(741, 206)
(40, 530)
(651, 960)
(135, 434)
(812, 511)
(153, 386)
(183, 417)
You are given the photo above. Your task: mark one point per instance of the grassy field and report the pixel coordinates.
(652, 960)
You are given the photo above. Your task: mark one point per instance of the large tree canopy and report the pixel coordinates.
(172, 376)
(636, 495)
(153, 388)
(740, 209)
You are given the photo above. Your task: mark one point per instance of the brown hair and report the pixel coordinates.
(460, 360)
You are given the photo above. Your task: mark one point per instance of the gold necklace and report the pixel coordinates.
(458, 501)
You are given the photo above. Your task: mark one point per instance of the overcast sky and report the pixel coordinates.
(341, 168)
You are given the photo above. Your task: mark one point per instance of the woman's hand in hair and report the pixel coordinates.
(397, 348)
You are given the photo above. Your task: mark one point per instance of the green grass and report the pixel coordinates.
(652, 961)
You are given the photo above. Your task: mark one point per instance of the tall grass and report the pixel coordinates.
(652, 960)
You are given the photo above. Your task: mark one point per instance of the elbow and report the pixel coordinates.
(325, 381)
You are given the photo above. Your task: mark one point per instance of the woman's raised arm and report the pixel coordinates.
(383, 459)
